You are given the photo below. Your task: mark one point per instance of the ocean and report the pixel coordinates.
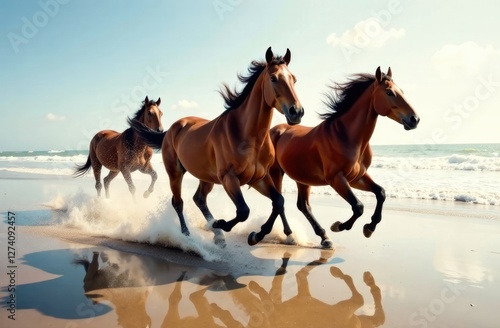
(460, 172)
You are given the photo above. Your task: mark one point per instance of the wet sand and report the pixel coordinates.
(428, 264)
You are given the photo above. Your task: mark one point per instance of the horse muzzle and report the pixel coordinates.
(410, 122)
(294, 115)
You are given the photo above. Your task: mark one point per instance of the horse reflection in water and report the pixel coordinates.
(129, 285)
(118, 286)
(267, 309)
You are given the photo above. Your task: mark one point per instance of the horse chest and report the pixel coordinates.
(254, 165)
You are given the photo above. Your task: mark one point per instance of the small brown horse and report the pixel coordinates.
(337, 151)
(235, 148)
(124, 152)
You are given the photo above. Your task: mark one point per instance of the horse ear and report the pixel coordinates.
(389, 72)
(269, 55)
(158, 102)
(378, 75)
(287, 57)
(146, 100)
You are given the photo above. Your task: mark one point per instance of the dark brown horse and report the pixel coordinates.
(124, 152)
(337, 151)
(234, 149)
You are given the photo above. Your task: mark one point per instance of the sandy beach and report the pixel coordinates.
(429, 263)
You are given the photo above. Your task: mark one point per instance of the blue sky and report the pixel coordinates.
(70, 68)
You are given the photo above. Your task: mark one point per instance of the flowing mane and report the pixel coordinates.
(234, 99)
(139, 112)
(345, 94)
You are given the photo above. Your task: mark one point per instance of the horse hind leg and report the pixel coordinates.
(107, 181)
(276, 174)
(303, 206)
(200, 199)
(96, 168)
(175, 175)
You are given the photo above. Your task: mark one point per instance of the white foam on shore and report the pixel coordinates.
(143, 220)
(154, 221)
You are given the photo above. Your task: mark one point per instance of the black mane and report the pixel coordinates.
(139, 112)
(234, 99)
(345, 94)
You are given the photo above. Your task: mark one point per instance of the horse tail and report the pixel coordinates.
(150, 137)
(84, 262)
(82, 169)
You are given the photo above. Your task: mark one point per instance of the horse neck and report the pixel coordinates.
(255, 115)
(135, 139)
(358, 123)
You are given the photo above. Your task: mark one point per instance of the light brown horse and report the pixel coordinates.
(124, 152)
(234, 149)
(337, 151)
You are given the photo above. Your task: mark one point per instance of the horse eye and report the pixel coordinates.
(390, 93)
(274, 79)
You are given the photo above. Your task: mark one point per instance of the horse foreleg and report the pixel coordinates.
(107, 180)
(231, 185)
(266, 188)
(303, 206)
(342, 187)
(366, 183)
(128, 178)
(200, 199)
(154, 176)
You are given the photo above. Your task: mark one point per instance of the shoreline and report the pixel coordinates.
(428, 264)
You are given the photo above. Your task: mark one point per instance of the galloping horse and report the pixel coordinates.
(124, 152)
(337, 151)
(235, 148)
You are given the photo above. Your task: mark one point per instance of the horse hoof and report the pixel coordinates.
(367, 231)
(336, 272)
(335, 227)
(368, 279)
(327, 244)
(290, 240)
(252, 239)
(146, 194)
(185, 232)
(220, 241)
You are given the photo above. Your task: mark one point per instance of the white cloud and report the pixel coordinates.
(454, 60)
(51, 117)
(185, 104)
(366, 33)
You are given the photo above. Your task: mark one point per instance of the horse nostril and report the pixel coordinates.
(414, 119)
(293, 111)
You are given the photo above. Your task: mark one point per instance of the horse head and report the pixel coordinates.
(279, 89)
(151, 114)
(389, 100)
